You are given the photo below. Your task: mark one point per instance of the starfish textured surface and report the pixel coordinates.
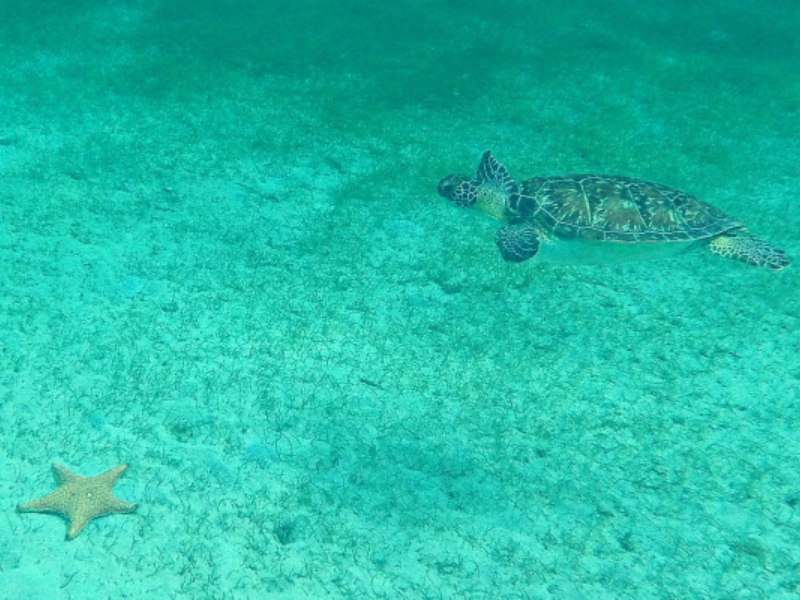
(80, 499)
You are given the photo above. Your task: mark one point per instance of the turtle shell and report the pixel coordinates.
(618, 209)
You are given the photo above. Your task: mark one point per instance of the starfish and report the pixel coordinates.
(80, 499)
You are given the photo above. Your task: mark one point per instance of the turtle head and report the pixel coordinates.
(460, 190)
(490, 192)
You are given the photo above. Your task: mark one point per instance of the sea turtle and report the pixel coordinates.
(600, 218)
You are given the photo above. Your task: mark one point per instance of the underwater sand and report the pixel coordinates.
(223, 260)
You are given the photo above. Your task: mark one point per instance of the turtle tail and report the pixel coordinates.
(743, 246)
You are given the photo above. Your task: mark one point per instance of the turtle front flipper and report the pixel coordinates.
(743, 246)
(491, 172)
(518, 241)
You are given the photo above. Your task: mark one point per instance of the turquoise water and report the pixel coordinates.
(223, 261)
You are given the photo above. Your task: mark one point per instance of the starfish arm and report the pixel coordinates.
(76, 525)
(114, 506)
(63, 474)
(110, 477)
(44, 504)
(120, 507)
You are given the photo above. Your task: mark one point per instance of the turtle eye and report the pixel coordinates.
(447, 187)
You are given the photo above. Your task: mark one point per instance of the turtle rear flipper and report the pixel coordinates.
(743, 246)
(517, 242)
